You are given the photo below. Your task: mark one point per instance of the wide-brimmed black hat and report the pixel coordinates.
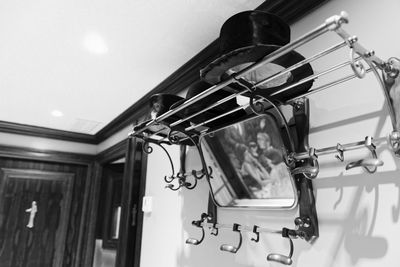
(248, 37)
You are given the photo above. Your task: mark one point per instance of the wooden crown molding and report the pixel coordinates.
(23, 129)
(289, 10)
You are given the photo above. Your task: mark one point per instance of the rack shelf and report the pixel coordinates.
(159, 131)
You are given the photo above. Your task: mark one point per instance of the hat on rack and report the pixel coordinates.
(161, 103)
(248, 37)
(200, 105)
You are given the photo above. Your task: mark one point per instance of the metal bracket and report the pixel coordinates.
(307, 210)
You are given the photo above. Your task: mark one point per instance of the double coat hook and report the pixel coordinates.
(232, 248)
(370, 164)
(199, 224)
(286, 260)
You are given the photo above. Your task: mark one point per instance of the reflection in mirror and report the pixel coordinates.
(116, 222)
(112, 173)
(249, 167)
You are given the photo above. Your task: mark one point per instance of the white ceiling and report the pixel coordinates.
(76, 65)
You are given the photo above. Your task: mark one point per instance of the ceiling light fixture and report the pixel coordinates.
(57, 113)
(95, 44)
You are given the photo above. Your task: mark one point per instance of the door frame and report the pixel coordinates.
(129, 243)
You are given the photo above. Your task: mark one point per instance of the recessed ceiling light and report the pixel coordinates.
(57, 113)
(94, 43)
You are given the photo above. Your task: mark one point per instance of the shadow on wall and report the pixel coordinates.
(357, 227)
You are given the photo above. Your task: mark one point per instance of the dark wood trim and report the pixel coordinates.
(134, 182)
(292, 10)
(45, 155)
(23, 129)
(87, 246)
(115, 152)
(140, 215)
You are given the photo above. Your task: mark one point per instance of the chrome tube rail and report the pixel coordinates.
(332, 24)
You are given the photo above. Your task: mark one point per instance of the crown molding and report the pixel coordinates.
(23, 129)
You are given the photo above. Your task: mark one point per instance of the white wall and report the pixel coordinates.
(358, 212)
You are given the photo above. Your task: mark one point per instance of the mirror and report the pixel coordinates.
(249, 170)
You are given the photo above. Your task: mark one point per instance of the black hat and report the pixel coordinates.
(161, 103)
(200, 86)
(248, 37)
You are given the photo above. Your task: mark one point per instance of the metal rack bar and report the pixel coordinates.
(242, 228)
(328, 85)
(221, 101)
(331, 23)
(303, 62)
(312, 77)
(295, 66)
(315, 76)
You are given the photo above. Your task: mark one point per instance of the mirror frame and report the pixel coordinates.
(277, 132)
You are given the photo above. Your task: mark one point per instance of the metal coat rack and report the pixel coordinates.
(303, 161)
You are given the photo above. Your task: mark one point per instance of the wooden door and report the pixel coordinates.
(34, 211)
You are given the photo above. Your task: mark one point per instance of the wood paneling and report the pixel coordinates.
(80, 166)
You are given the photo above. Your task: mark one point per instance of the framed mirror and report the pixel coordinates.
(248, 162)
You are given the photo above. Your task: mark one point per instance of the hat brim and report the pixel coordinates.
(217, 70)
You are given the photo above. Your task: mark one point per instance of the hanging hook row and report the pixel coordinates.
(311, 171)
(235, 227)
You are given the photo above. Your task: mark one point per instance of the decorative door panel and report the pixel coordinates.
(34, 211)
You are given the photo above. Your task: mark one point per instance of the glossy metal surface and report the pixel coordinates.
(286, 260)
(280, 258)
(364, 163)
(232, 248)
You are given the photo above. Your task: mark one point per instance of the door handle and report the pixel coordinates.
(32, 212)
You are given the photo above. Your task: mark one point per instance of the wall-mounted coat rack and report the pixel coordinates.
(175, 126)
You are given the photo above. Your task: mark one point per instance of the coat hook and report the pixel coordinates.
(231, 248)
(257, 233)
(367, 163)
(340, 150)
(199, 224)
(286, 260)
(194, 241)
